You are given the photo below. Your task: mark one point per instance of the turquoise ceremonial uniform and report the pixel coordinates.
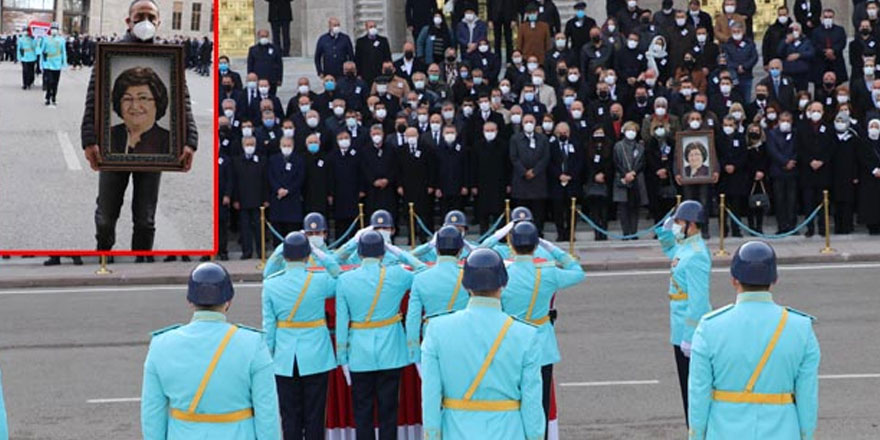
(455, 349)
(177, 362)
(528, 298)
(293, 318)
(369, 336)
(728, 348)
(27, 49)
(506, 251)
(688, 283)
(436, 290)
(53, 52)
(347, 254)
(276, 263)
(428, 254)
(4, 428)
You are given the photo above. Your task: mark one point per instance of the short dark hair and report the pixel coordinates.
(696, 146)
(140, 76)
(134, 2)
(448, 252)
(754, 287)
(523, 250)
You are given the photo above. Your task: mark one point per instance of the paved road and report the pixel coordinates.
(48, 190)
(61, 348)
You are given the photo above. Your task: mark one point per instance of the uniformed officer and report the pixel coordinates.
(518, 214)
(297, 336)
(531, 288)
(754, 364)
(315, 228)
(27, 54)
(688, 284)
(209, 378)
(437, 289)
(4, 428)
(370, 341)
(480, 365)
(380, 222)
(427, 252)
(53, 58)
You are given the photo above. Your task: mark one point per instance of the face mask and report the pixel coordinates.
(631, 4)
(699, 106)
(449, 138)
(695, 125)
(247, 131)
(701, 38)
(316, 240)
(678, 231)
(435, 126)
(438, 20)
(842, 99)
(490, 135)
(335, 30)
(478, 80)
(419, 84)
(381, 113)
(611, 28)
(450, 58)
(872, 13)
(228, 113)
(650, 81)
(755, 135)
(377, 138)
(687, 92)
(547, 126)
(783, 19)
(660, 132)
(505, 89)
(610, 79)
(264, 90)
(580, 13)
(422, 118)
(313, 148)
(401, 128)
(827, 22)
(560, 44)
(467, 111)
(517, 60)
(463, 74)
(338, 111)
(252, 85)
(249, 150)
(434, 78)
(680, 21)
(533, 17)
(409, 54)
(816, 116)
(386, 235)
(412, 141)
(224, 67)
(803, 103)
(529, 127)
(264, 41)
(286, 151)
(469, 17)
(729, 9)
(874, 133)
(660, 111)
(737, 115)
(841, 126)
(630, 134)
(796, 34)
(737, 37)
(642, 100)
(725, 88)
(728, 130)
(529, 96)
(448, 114)
(305, 108)
(573, 78)
(632, 44)
(303, 90)
(329, 86)
(868, 70)
(484, 106)
(381, 88)
(761, 96)
(785, 127)
(344, 143)
(515, 119)
(532, 66)
(496, 100)
(576, 114)
(269, 123)
(568, 100)
(143, 30)
(616, 116)
(312, 122)
(373, 31)
(771, 116)
(288, 132)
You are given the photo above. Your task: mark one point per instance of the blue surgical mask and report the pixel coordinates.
(678, 231)
(774, 72)
(313, 148)
(269, 123)
(329, 86)
(580, 13)
(224, 67)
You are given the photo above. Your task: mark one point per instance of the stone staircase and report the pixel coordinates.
(367, 10)
(566, 10)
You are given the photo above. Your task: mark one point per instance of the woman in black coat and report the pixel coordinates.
(844, 171)
(869, 179)
(598, 171)
(659, 155)
(734, 181)
(756, 167)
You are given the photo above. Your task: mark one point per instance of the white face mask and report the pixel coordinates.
(687, 92)
(490, 135)
(729, 9)
(699, 106)
(515, 119)
(660, 132)
(868, 70)
(611, 28)
(435, 126)
(484, 49)
(783, 19)
(312, 122)
(264, 41)
(381, 113)
(573, 78)
(529, 127)
(680, 21)
(449, 138)
(386, 235)
(516, 60)
(728, 130)
(532, 66)
(568, 100)
(827, 22)
(373, 31)
(874, 133)
(316, 240)
(422, 118)
(288, 132)
(228, 113)
(438, 20)
(631, 4)
(841, 126)
(286, 151)
(695, 125)
(537, 81)
(632, 44)
(785, 127)
(816, 116)
(336, 30)
(344, 143)
(467, 111)
(419, 84)
(412, 141)
(469, 17)
(577, 114)
(630, 134)
(381, 89)
(252, 85)
(737, 115)
(249, 150)
(144, 30)
(264, 90)
(351, 122)
(737, 37)
(303, 90)
(843, 99)
(701, 38)
(610, 79)
(447, 114)
(678, 231)
(660, 111)
(547, 126)
(484, 106)
(338, 111)
(796, 34)
(560, 44)
(872, 13)
(505, 89)
(771, 116)
(377, 138)
(803, 103)
(725, 88)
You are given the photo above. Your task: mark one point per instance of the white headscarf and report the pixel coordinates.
(654, 55)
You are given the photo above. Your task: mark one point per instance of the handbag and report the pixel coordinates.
(597, 190)
(759, 201)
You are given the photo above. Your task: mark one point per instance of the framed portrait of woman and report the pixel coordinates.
(695, 159)
(139, 106)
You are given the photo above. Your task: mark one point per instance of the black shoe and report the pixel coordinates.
(170, 258)
(205, 258)
(47, 103)
(185, 258)
(809, 232)
(737, 234)
(139, 259)
(224, 256)
(77, 261)
(245, 257)
(52, 261)
(150, 259)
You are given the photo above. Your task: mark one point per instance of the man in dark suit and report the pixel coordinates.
(565, 172)
(482, 115)
(451, 171)
(264, 59)
(332, 50)
(699, 18)
(370, 51)
(224, 70)
(408, 64)
(419, 14)
(780, 88)
(379, 173)
(829, 41)
(280, 17)
(249, 191)
(814, 144)
(529, 157)
(415, 165)
(344, 183)
(264, 93)
(286, 176)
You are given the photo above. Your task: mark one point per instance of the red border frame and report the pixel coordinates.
(214, 156)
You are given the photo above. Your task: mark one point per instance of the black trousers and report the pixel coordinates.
(222, 228)
(249, 230)
(281, 36)
(597, 207)
(785, 200)
(811, 197)
(27, 73)
(381, 386)
(503, 27)
(111, 192)
(546, 383)
(539, 211)
(562, 218)
(487, 220)
(683, 365)
(843, 217)
(303, 402)
(341, 226)
(738, 204)
(447, 203)
(52, 78)
(628, 214)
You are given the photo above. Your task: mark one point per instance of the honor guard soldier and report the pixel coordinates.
(297, 336)
(754, 364)
(370, 341)
(209, 378)
(53, 56)
(315, 228)
(518, 214)
(4, 428)
(27, 54)
(531, 288)
(456, 218)
(437, 289)
(480, 366)
(380, 222)
(688, 284)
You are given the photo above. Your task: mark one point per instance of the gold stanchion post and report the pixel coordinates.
(361, 214)
(506, 210)
(103, 270)
(827, 249)
(262, 238)
(721, 214)
(412, 226)
(677, 200)
(573, 224)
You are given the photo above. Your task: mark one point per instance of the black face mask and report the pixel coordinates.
(646, 20)
(829, 85)
(598, 137)
(642, 99)
(409, 54)
(562, 72)
(595, 39)
(615, 116)
(865, 32)
(388, 72)
(401, 129)
(450, 59)
(227, 87)
(761, 96)
(603, 95)
(349, 75)
(754, 135)
(689, 63)
(563, 138)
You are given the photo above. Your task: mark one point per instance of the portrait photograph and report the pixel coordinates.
(695, 157)
(140, 126)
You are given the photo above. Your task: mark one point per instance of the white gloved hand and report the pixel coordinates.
(467, 246)
(357, 235)
(546, 245)
(347, 374)
(317, 252)
(686, 348)
(419, 369)
(433, 242)
(667, 225)
(501, 233)
(394, 250)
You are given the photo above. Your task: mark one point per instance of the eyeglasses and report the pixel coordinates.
(141, 100)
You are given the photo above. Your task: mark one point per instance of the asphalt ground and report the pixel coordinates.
(48, 190)
(65, 352)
